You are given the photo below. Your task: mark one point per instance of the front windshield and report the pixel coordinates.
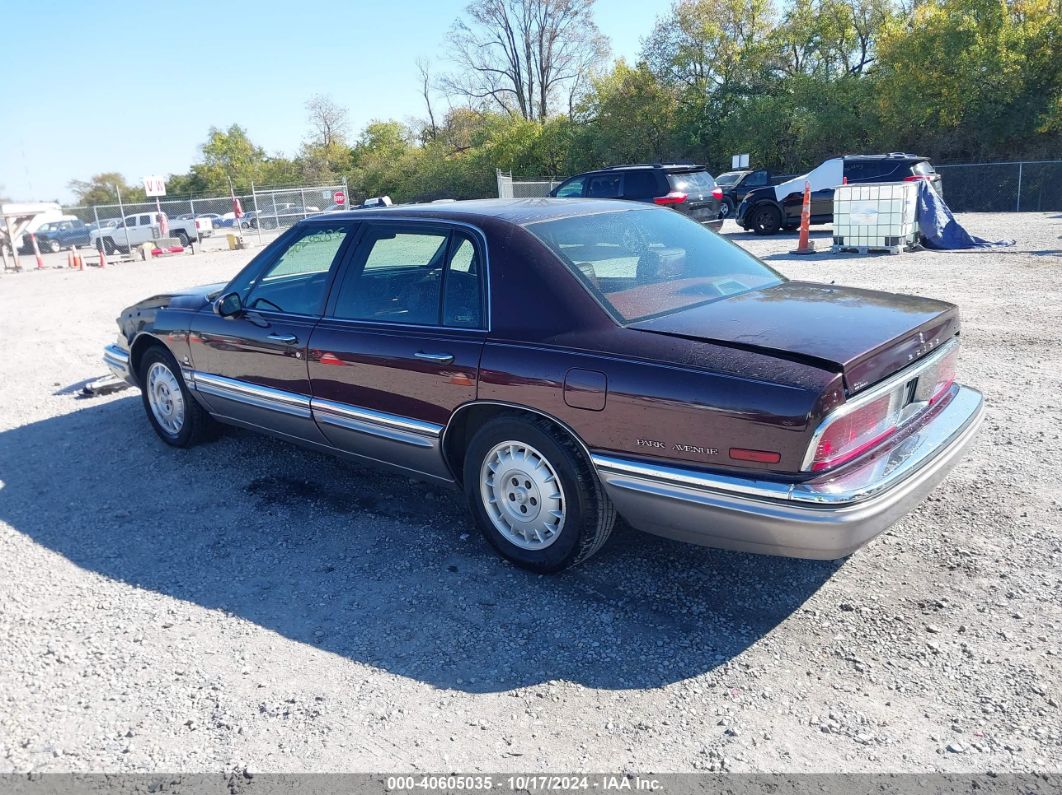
(729, 178)
(641, 263)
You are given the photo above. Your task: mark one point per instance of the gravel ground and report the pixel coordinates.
(249, 605)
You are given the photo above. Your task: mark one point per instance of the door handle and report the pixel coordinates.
(286, 339)
(439, 358)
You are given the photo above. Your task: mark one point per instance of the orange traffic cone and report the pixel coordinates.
(804, 246)
(103, 257)
(77, 259)
(37, 253)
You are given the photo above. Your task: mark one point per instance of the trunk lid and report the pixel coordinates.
(865, 334)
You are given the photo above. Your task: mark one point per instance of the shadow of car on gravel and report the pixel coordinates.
(377, 568)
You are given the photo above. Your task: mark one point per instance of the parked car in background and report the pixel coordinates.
(141, 228)
(735, 186)
(57, 235)
(565, 361)
(104, 223)
(204, 222)
(280, 216)
(767, 210)
(684, 187)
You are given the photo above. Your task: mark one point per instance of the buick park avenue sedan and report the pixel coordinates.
(565, 361)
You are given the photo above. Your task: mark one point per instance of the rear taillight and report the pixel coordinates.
(196, 224)
(675, 197)
(917, 177)
(854, 433)
(943, 377)
(871, 418)
(717, 193)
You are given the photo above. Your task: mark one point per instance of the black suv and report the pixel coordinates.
(769, 209)
(685, 187)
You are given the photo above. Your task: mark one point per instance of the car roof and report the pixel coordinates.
(514, 211)
(889, 156)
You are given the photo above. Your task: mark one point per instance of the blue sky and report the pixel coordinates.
(117, 86)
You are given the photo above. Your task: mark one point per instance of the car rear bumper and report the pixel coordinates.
(827, 517)
(117, 361)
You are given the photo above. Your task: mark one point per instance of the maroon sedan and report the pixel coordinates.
(565, 361)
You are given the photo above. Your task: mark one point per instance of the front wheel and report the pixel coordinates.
(534, 495)
(172, 411)
(766, 220)
(54, 247)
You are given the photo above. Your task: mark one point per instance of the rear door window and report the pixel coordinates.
(604, 186)
(756, 179)
(396, 277)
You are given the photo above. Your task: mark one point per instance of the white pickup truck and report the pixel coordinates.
(141, 228)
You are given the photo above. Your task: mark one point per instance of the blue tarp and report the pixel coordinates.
(939, 228)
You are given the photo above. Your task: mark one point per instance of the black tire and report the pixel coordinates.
(726, 208)
(109, 246)
(53, 246)
(765, 220)
(182, 237)
(197, 425)
(588, 513)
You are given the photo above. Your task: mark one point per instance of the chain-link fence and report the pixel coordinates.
(1029, 186)
(263, 208)
(510, 187)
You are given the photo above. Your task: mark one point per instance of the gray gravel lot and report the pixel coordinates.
(250, 605)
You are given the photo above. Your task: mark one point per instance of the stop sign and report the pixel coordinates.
(339, 198)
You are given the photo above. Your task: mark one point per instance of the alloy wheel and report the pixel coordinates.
(522, 495)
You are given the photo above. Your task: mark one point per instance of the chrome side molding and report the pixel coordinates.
(393, 427)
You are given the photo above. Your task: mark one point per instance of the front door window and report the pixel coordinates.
(295, 283)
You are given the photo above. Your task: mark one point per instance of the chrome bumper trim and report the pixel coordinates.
(827, 517)
(117, 361)
(252, 394)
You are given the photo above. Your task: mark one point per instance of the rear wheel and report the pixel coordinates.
(109, 246)
(766, 220)
(172, 411)
(182, 238)
(726, 209)
(534, 496)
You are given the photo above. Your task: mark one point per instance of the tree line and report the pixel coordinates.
(529, 87)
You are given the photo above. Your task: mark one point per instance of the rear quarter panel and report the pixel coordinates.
(658, 410)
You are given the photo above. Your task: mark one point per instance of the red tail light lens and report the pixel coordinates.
(855, 433)
(196, 224)
(945, 376)
(717, 193)
(917, 177)
(675, 197)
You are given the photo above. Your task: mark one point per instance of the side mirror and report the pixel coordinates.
(228, 305)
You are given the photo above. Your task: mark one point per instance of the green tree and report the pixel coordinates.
(228, 155)
(100, 189)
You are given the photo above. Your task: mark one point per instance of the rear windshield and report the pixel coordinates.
(697, 182)
(641, 263)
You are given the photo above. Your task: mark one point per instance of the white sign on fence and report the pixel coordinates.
(739, 161)
(154, 186)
